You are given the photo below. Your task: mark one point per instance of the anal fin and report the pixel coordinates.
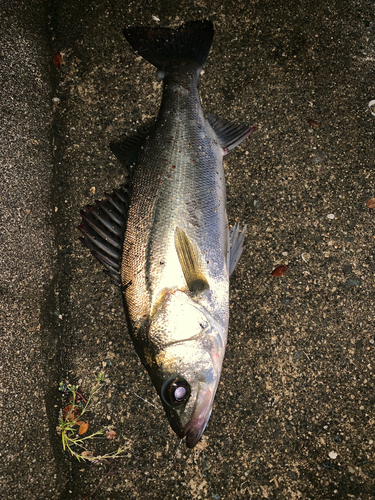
(190, 263)
(228, 133)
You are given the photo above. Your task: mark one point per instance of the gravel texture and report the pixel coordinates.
(294, 417)
(29, 345)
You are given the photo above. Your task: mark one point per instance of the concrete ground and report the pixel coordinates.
(294, 417)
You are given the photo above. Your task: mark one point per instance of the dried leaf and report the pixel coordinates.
(371, 203)
(69, 414)
(111, 434)
(279, 270)
(66, 411)
(87, 454)
(312, 123)
(83, 428)
(57, 60)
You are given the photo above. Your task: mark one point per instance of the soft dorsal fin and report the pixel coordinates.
(229, 134)
(126, 147)
(190, 263)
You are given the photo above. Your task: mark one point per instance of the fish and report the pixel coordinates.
(163, 235)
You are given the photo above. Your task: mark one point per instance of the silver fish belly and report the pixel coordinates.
(177, 253)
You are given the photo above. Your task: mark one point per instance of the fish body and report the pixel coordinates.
(177, 252)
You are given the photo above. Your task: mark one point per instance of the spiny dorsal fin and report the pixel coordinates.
(103, 228)
(189, 261)
(229, 134)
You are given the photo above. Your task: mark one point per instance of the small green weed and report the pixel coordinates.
(72, 426)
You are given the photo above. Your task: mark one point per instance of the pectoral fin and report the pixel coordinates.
(190, 262)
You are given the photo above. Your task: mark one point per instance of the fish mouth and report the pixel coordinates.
(195, 428)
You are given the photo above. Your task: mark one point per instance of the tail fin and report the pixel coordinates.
(163, 47)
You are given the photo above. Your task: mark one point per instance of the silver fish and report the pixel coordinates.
(164, 236)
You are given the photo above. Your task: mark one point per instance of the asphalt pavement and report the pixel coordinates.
(294, 416)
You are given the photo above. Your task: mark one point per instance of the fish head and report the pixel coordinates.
(189, 346)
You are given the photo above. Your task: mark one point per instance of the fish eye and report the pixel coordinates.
(175, 391)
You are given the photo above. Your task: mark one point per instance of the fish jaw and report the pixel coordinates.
(199, 420)
(215, 344)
